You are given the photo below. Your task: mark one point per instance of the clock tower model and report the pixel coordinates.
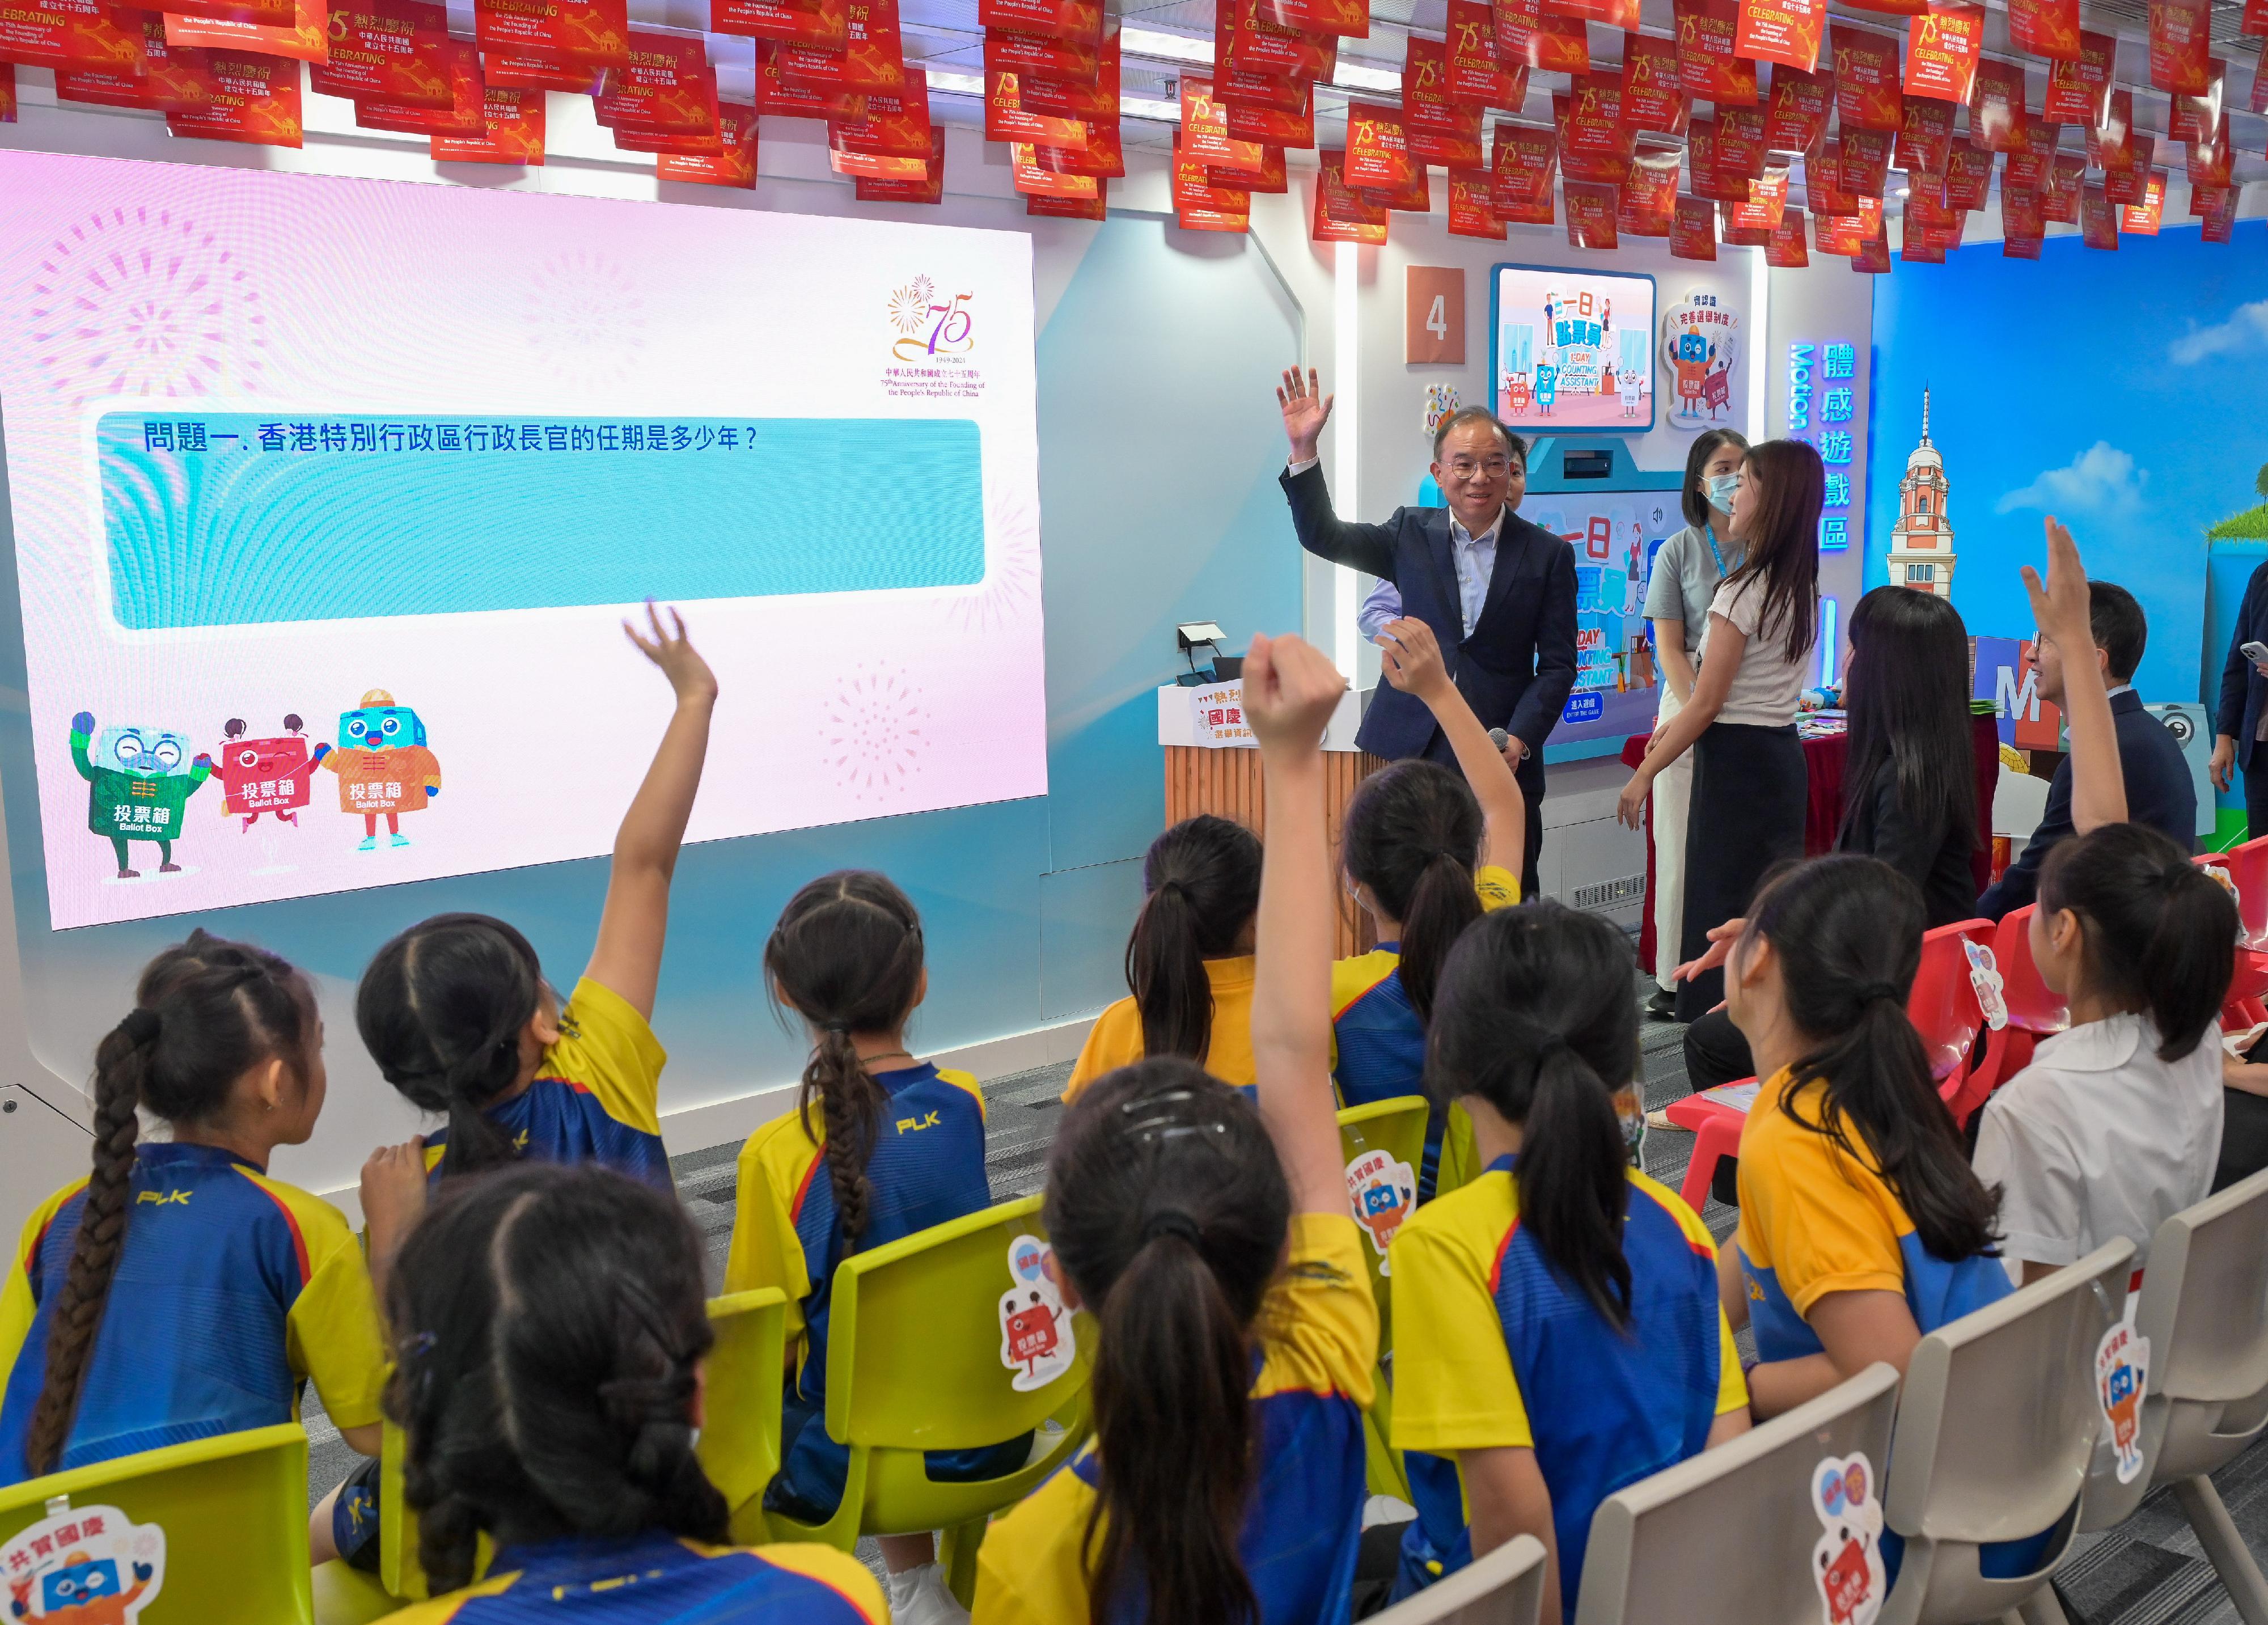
(1921, 545)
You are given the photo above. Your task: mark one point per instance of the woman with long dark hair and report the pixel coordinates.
(1683, 579)
(1749, 783)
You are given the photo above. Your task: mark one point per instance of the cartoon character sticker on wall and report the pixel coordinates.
(2122, 1377)
(1846, 1564)
(1700, 344)
(1384, 1193)
(265, 775)
(1036, 1341)
(139, 779)
(383, 765)
(94, 1566)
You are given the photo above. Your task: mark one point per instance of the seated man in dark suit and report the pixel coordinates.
(2159, 790)
(1497, 592)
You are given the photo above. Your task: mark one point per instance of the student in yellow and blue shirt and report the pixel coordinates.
(881, 1145)
(1210, 1236)
(459, 1016)
(550, 1327)
(1862, 1226)
(1189, 962)
(178, 1292)
(1556, 1330)
(1425, 855)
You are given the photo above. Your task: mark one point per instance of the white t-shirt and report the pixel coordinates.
(2100, 1138)
(1766, 687)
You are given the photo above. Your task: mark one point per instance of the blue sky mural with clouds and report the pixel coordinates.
(2126, 392)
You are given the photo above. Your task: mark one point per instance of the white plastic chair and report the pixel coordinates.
(2205, 1310)
(1729, 1537)
(1995, 1431)
(1503, 1588)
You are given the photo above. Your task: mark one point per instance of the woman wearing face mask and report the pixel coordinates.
(1750, 787)
(1683, 579)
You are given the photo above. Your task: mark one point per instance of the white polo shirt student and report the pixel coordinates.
(2100, 1138)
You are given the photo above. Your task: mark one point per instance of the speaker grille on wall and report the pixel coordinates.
(1609, 893)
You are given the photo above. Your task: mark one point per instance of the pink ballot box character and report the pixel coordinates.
(265, 775)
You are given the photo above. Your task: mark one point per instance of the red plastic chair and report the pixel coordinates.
(1943, 1009)
(2035, 1011)
(2247, 868)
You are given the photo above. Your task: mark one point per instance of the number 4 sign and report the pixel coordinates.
(1433, 316)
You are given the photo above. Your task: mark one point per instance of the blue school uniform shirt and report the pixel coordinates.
(1378, 1043)
(655, 1578)
(232, 1289)
(596, 1096)
(1303, 1519)
(927, 1168)
(1494, 1347)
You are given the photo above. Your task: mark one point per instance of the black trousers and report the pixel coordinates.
(1715, 1053)
(2255, 793)
(1529, 776)
(1750, 792)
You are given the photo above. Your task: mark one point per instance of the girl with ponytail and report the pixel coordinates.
(459, 1016)
(2117, 1123)
(179, 1293)
(1557, 1330)
(1425, 852)
(1209, 1234)
(1189, 962)
(880, 1145)
(549, 1335)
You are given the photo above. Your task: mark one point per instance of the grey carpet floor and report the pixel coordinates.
(2149, 1571)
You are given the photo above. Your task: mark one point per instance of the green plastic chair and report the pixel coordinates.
(913, 1365)
(739, 1444)
(234, 1511)
(1397, 1127)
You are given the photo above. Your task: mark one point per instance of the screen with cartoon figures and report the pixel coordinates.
(1572, 349)
(329, 496)
(1614, 535)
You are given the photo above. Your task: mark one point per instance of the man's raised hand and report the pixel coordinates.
(1306, 410)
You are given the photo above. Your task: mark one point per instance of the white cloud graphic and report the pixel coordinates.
(2101, 479)
(2249, 327)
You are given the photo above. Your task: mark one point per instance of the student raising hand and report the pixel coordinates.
(1409, 655)
(1290, 691)
(2062, 609)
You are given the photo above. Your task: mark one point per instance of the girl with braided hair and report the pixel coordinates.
(549, 1333)
(459, 1016)
(178, 1292)
(879, 1146)
(1557, 1330)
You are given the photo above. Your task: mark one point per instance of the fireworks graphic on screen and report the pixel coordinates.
(874, 731)
(1012, 575)
(136, 302)
(909, 305)
(584, 316)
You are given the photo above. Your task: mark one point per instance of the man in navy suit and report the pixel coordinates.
(2159, 790)
(2243, 700)
(1499, 592)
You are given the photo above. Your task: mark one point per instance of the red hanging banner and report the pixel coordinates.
(1707, 65)
(928, 189)
(466, 111)
(1346, 18)
(1786, 250)
(2193, 117)
(1591, 209)
(169, 81)
(1866, 161)
(734, 164)
(1522, 166)
(1874, 257)
(1257, 46)
(2079, 90)
(2125, 186)
(1341, 215)
(2029, 168)
(1941, 48)
(1271, 128)
(1204, 138)
(1425, 102)
(1996, 107)
(1968, 177)
(1795, 118)
(306, 37)
(2067, 178)
(1076, 22)
(1469, 213)
(2142, 216)
(1767, 201)
(1785, 32)
(597, 31)
(1378, 147)
(1648, 205)
(1271, 178)
(1611, 13)
(1103, 158)
(822, 23)
(2048, 28)
(390, 49)
(1475, 74)
(512, 132)
(666, 87)
(1867, 78)
(2220, 222)
(873, 58)
(2212, 165)
(1652, 97)
(2181, 46)
(2020, 213)
(1527, 36)
(1594, 117)
(7, 92)
(1925, 137)
(1416, 198)
(1839, 235)
(1068, 98)
(1693, 231)
(1007, 119)
(1201, 206)
(1095, 207)
(1035, 55)
(895, 125)
(1822, 183)
(251, 99)
(1741, 148)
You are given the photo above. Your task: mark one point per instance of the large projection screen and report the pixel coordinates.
(395, 460)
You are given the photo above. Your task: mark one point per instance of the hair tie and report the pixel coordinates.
(142, 1026)
(1869, 992)
(1440, 852)
(1172, 1222)
(841, 1028)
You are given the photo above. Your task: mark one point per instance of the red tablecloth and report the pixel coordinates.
(1823, 761)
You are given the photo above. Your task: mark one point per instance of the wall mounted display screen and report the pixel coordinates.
(1570, 350)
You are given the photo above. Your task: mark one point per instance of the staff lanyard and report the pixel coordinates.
(1710, 531)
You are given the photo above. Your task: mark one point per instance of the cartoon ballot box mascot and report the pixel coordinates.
(82, 1591)
(1547, 386)
(383, 765)
(89, 1566)
(1694, 351)
(265, 775)
(138, 781)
